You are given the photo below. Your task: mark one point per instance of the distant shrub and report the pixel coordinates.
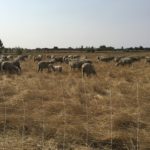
(19, 51)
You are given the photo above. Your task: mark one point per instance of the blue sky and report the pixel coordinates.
(65, 23)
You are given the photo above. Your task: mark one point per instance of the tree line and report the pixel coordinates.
(19, 50)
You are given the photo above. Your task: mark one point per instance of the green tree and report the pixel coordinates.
(55, 48)
(103, 47)
(1, 44)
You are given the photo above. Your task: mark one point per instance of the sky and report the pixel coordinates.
(73, 23)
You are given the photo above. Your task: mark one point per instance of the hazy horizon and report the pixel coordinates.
(72, 23)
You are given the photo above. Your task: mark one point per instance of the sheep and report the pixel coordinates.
(54, 68)
(147, 59)
(52, 61)
(59, 59)
(22, 57)
(73, 56)
(84, 57)
(105, 58)
(16, 62)
(136, 58)
(48, 56)
(43, 65)
(8, 66)
(117, 59)
(10, 57)
(38, 58)
(76, 57)
(66, 59)
(88, 69)
(125, 61)
(4, 58)
(78, 64)
(75, 65)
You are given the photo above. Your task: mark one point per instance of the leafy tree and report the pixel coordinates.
(55, 48)
(103, 47)
(1, 44)
(141, 48)
(70, 48)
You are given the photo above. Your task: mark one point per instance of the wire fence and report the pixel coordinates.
(8, 112)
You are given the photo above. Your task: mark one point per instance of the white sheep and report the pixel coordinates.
(55, 68)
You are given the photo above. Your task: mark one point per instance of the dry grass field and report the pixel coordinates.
(63, 111)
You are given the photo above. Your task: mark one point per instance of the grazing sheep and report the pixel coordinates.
(9, 67)
(52, 56)
(43, 65)
(147, 59)
(48, 56)
(16, 62)
(78, 64)
(54, 68)
(88, 69)
(136, 58)
(22, 57)
(117, 59)
(105, 58)
(73, 56)
(38, 58)
(125, 61)
(84, 57)
(59, 59)
(10, 57)
(75, 65)
(4, 58)
(76, 57)
(52, 61)
(65, 59)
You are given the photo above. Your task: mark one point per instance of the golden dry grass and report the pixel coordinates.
(64, 111)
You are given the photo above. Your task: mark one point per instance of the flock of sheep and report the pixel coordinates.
(75, 62)
(124, 60)
(53, 63)
(9, 64)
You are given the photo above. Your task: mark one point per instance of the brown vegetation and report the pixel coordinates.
(65, 111)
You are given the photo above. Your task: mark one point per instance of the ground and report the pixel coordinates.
(64, 111)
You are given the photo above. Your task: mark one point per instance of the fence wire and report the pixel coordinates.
(64, 116)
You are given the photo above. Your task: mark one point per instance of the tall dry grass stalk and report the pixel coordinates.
(64, 111)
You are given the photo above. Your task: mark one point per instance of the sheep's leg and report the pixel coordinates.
(38, 69)
(130, 64)
(82, 74)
